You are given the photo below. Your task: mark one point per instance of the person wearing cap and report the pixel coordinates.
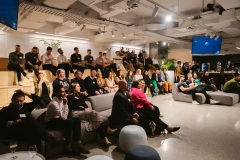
(89, 60)
(47, 60)
(33, 60)
(192, 89)
(63, 63)
(76, 60)
(233, 86)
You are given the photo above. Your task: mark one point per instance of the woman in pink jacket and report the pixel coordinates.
(148, 111)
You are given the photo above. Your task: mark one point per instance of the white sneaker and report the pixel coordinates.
(20, 83)
(195, 102)
(213, 101)
(28, 77)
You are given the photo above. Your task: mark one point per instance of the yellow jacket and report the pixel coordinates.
(179, 70)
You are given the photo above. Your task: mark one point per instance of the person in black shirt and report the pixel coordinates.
(195, 67)
(15, 63)
(91, 84)
(127, 63)
(76, 60)
(192, 89)
(33, 60)
(16, 122)
(89, 60)
(185, 69)
(61, 80)
(78, 79)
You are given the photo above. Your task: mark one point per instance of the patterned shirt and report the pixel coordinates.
(15, 58)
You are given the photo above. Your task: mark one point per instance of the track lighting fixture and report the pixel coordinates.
(83, 27)
(155, 11)
(130, 3)
(100, 31)
(112, 34)
(123, 35)
(216, 38)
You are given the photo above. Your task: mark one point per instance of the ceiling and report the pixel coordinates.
(90, 18)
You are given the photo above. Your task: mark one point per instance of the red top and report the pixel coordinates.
(139, 99)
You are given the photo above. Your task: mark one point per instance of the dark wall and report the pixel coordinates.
(235, 58)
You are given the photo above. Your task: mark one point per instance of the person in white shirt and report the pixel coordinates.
(155, 61)
(63, 63)
(138, 75)
(57, 118)
(47, 60)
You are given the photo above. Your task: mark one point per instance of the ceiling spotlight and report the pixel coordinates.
(168, 18)
(83, 27)
(112, 34)
(155, 11)
(157, 42)
(238, 48)
(164, 43)
(206, 34)
(144, 40)
(130, 3)
(123, 35)
(100, 31)
(216, 38)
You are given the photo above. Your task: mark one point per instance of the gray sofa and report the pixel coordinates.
(228, 99)
(179, 96)
(102, 104)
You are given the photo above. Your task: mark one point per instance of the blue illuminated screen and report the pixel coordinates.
(9, 13)
(206, 45)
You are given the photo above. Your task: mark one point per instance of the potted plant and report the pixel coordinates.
(170, 65)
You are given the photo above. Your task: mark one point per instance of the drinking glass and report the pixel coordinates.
(32, 151)
(13, 147)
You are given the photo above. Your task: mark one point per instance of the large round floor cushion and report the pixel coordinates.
(99, 157)
(132, 135)
(142, 152)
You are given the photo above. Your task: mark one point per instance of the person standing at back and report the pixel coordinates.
(76, 60)
(33, 60)
(15, 63)
(47, 60)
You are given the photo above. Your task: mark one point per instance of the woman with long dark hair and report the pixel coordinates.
(79, 109)
(150, 112)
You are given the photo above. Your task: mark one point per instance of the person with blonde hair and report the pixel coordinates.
(42, 89)
(91, 119)
(138, 74)
(101, 82)
(112, 87)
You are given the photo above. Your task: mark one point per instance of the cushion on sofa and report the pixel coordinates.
(101, 102)
(228, 99)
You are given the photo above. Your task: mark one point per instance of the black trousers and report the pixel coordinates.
(72, 128)
(80, 68)
(18, 69)
(152, 115)
(66, 67)
(102, 130)
(90, 67)
(28, 130)
(160, 87)
(30, 68)
(194, 91)
(150, 87)
(51, 68)
(237, 91)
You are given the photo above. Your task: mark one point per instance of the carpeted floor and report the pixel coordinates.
(208, 132)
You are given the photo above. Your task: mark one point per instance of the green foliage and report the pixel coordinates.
(52, 43)
(170, 63)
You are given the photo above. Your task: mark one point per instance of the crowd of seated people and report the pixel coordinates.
(66, 106)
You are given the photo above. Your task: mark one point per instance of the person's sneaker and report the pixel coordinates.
(213, 101)
(20, 83)
(28, 77)
(195, 102)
